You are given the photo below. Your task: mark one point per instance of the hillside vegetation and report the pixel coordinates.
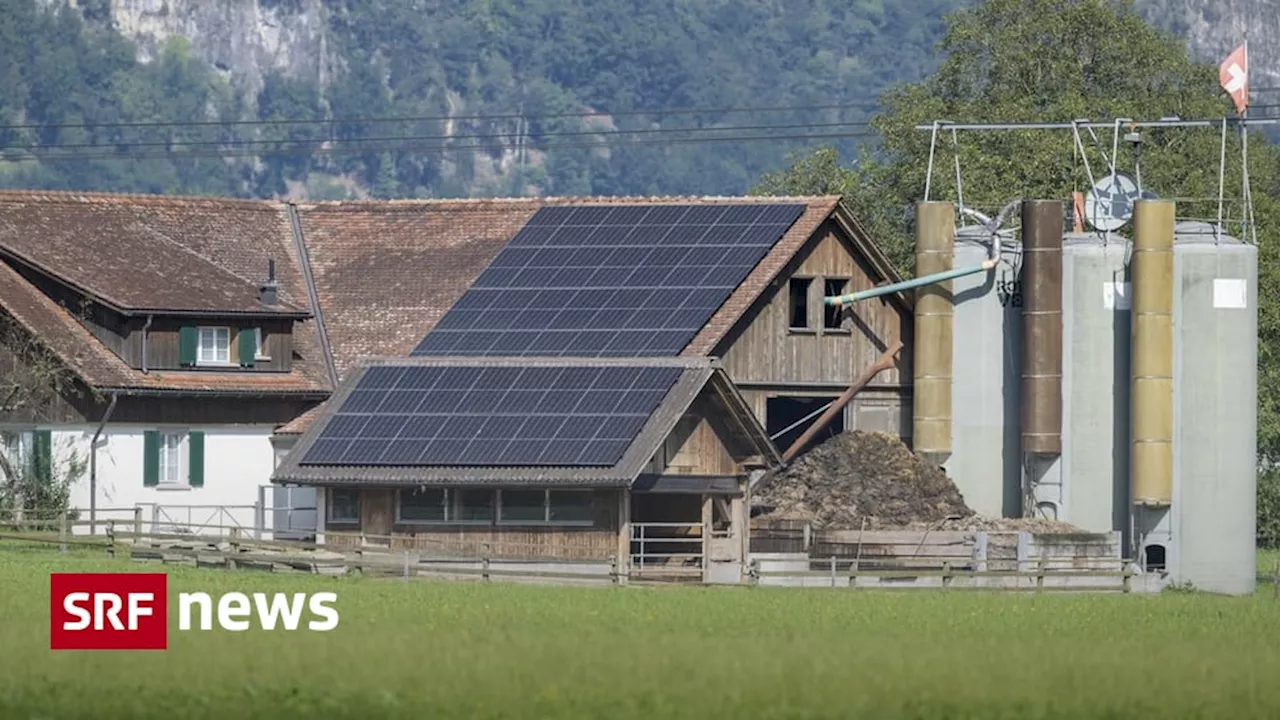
(533, 62)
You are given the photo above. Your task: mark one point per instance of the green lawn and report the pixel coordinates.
(438, 650)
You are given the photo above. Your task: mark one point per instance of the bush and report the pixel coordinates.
(1269, 508)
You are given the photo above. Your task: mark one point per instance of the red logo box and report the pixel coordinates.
(108, 611)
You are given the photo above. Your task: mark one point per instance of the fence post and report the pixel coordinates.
(853, 573)
(1128, 576)
(406, 563)
(1040, 575)
(833, 571)
(259, 514)
(111, 538)
(63, 530)
(137, 520)
(946, 574)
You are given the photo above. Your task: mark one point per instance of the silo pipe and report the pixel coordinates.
(987, 265)
(1151, 458)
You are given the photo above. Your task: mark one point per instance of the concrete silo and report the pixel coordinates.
(1095, 381)
(985, 460)
(1215, 421)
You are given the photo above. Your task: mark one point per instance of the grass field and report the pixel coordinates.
(438, 650)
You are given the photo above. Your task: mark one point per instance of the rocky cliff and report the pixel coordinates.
(1214, 27)
(243, 39)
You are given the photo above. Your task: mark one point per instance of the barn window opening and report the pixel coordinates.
(475, 505)
(344, 505)
(786, 419)
(833, 316)
(799, 288)
(425, 505)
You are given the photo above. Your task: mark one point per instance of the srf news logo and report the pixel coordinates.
(130, 611)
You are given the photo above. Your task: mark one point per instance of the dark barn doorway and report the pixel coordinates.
(782, 413)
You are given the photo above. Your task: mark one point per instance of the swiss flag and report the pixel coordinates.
(1233, 75)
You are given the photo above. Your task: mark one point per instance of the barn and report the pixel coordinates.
(605, 382)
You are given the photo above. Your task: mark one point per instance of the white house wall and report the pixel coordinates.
(237, 462)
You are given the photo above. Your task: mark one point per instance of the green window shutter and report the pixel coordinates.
(150, 458)
(42, 447)
(195, 458)
(188, 339)
(248, 347)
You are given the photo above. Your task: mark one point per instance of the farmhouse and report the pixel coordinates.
(201, 338)
(412, 453)
(175, 332)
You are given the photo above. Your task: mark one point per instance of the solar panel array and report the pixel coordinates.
(609, 281)
(492, 416)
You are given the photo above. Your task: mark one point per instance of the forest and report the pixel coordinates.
(467, 97)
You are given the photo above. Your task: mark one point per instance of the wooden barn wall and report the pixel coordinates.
(764, 349)
(162, 343)
(694, 448)
(377, 517)
(882, 409)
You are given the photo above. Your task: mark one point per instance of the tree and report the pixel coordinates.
(36, 474)
(1056, 60)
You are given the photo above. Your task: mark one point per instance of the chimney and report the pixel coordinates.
(267, 290)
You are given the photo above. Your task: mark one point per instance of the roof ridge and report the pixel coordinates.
(569, 199)
(95, 197)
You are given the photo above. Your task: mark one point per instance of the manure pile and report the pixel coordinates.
(862, 476)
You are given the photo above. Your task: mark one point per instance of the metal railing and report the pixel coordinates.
(667, 546)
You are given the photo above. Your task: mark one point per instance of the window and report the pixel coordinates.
(524, 506)
(833, 316)
(18, 448)
(260, 350)
(426, 505)
(214, 346)
(344, 505)
(443, 505)
(475, 505)
(173, 459)
(799, 303)
(562, 507)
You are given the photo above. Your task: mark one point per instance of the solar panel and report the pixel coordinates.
(491, 416)
(609, 281)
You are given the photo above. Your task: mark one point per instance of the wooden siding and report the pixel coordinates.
(694, 447)
(763, 348)
(377, 517)
(201, 410)
(44, 405)
(162, 342)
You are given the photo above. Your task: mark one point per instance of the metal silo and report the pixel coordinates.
(1095, 382)
(1215, 410)
(986, 338)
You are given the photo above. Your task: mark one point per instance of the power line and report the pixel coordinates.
(415, 138)
(342, 150)
(441, 118)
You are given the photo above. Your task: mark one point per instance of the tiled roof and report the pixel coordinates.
(103, 369)
(229, 240)
(386, 272)
(140, 253)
